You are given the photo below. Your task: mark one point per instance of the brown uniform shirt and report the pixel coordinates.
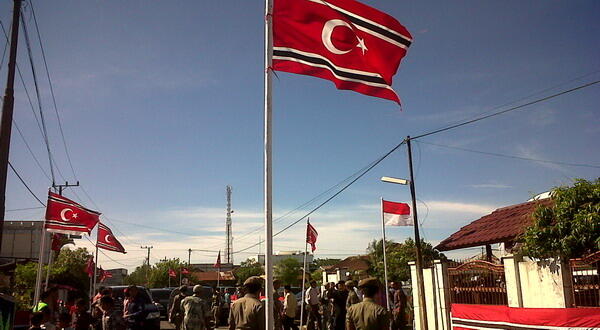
(367, 315)
(247, 313)
(352, 298)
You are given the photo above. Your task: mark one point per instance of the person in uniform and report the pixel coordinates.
(352, 295)
(176, 314)
(327, 307)
(338, 298)
(248, 313)
(367, 315)
(277, 306)
(195, 312)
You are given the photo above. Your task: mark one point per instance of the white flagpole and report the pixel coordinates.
(386, 290)
(95, 269)
(268, 178)
(50, 261)
(38, 279)
(304, 275)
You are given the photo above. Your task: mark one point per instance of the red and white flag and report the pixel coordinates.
(89, 267)
(106, 240)
(60, 240)
(218, 263)
(311, 236)
(67, 217)
(104, 274)
(356, 46)
(172, 273)
(396, 214)
(185, 271)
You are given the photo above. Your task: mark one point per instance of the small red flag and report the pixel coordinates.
(218, 263)
(65, 216)
(104, 274)
(107, 240)
(311, 236)
(185, 271)
(89, 267)
(356, 46)
(172, 273)
(60, 240)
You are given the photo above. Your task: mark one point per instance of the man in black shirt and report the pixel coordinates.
(338, 298)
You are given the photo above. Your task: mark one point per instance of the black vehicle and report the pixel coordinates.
(161, 296)
(152, 320)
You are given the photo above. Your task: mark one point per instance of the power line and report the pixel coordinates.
(510, 156)
(505, 111)
(26, 209)
(25, 184)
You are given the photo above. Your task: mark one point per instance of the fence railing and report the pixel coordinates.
(586, 280)
(477, 282)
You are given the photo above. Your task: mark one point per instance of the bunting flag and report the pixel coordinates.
(218, 263)
(396, 214)
(311, 236)
(355, 46)
(90, 266)
(106, 240)
(67, 217)
(60, 240)
(172, 273)
(185, 271)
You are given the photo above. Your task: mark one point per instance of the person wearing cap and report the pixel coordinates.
(352, 296)
(195, 312)
(176, 314)
(248, 313)
(367, 315)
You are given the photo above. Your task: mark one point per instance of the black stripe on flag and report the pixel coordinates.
(316, 60)
(377, 29)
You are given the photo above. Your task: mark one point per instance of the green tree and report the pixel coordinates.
(248, 268)
(157, 275)
(288, 270)
(398, 256)
(570, 228)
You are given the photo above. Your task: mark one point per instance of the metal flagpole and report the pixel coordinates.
(38, 279)
(304, 276)
(385, 272)
(180, 274)
(95, 267)
(50, 260)
(419, 262)
(218, 277)
(268, 162)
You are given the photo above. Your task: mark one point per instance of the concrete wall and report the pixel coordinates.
(437, 299)
(21, 240)
(544, 285)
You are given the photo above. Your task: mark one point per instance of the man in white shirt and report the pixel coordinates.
(312, 300)
(289, 309)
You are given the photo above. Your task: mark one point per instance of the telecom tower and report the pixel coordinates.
(229, 246)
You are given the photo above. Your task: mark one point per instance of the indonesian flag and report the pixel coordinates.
(67, 217)
(355, 46)
(218, 263)
(106, 239)
(185, 271)
(89, 267)
(311, 236)
(172, 273)
(396, 214)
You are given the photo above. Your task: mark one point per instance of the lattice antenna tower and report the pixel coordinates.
(229, 233)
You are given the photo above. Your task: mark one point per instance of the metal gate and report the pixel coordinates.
(477, 282)
(586, 280)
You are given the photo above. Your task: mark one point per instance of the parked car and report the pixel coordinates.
(161, 296)
(152, 320)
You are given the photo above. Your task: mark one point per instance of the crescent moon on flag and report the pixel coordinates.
(107, 239)
(63, 214)
(326, 35)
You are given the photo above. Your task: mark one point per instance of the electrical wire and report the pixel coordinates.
(25, 209)
(25, 184)
(510, 156)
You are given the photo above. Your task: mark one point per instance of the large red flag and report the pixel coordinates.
(311, 236)
(396, 214)
(65, 216)
(106, 239)
(218, 263)
(354, 45)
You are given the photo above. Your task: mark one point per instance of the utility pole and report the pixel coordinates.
(419, 263)
(229, 242)
(66, 185)
(148, 259)
(7, 112)
(189, 256)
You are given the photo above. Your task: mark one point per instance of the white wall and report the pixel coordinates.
(544, 285)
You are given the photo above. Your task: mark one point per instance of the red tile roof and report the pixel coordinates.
(212, 276)
(353, 263)
(503, 225)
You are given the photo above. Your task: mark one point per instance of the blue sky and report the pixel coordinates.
(161, 103)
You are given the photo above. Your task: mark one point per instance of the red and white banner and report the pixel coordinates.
(356, 46)
(67, 217)
(60, 240)
(504, 317)
(104, 274)
(185, 271)
(311, 236)
(106, 240)
(172, 273)
(396, 214)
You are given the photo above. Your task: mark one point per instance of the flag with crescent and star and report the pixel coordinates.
(106, 240)
(357, 47)
(68, 217)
